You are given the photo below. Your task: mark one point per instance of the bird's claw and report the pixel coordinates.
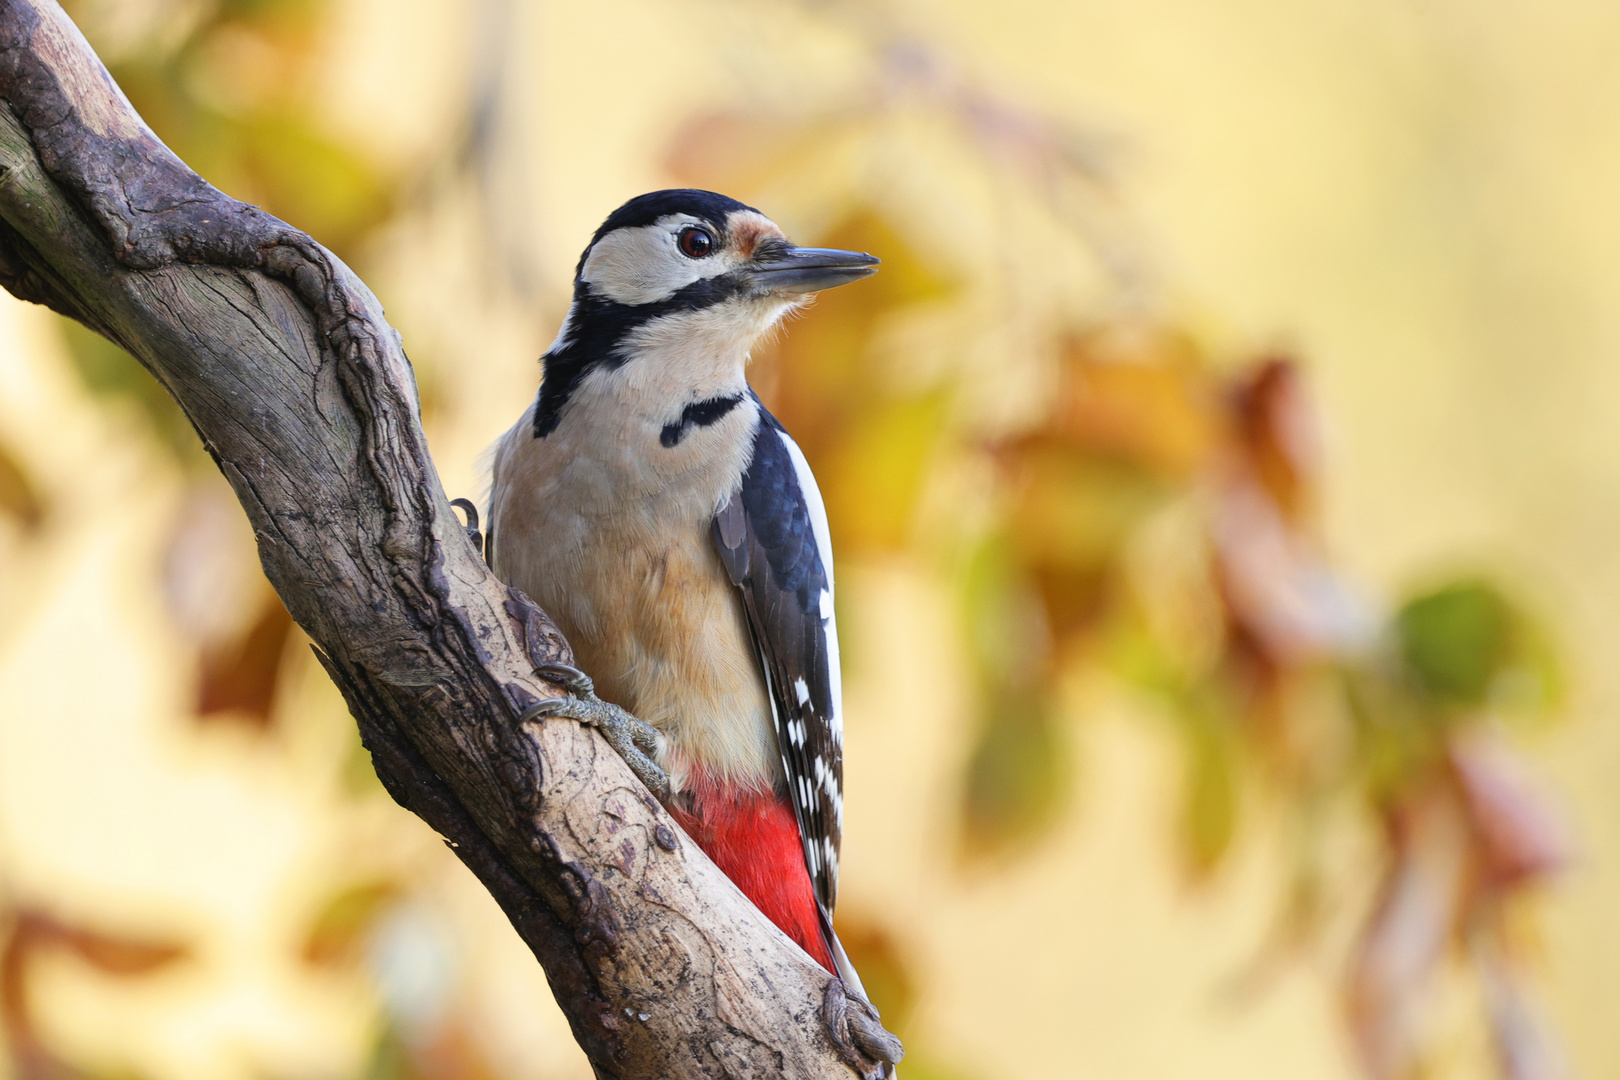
(632, 738)
(570, 678)
(474, 537)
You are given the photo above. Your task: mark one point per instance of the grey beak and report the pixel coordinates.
(803, 270)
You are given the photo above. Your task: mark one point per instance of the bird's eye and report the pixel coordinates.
(696, 243)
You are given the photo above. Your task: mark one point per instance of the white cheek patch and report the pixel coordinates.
(643, 266)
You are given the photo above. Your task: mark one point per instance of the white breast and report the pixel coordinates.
(609, 531)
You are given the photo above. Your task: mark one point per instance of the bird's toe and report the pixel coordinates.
(570, 678)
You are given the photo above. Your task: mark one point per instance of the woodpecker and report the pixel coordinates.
(673, 530)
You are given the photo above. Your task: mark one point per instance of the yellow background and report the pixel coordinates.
(1419, 195)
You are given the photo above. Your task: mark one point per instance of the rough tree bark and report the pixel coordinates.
(303, 396)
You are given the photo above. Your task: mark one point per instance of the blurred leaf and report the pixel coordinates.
(108, 953)
(312, 182)
(1526, 1047)
(1533, 684)
(450, 1053)
(1393, 964)
(876, 473)
(1518, 836)
(869, 439)
(1397, 738)
(1018, 775)
(122, 956)
(1068, 516)
(1171, 573)
(26, 933)
(1456, 639)
(1209, 731)
(1277, 429)
(1002, 613)
(338, 934)
(239, 678)
(1209, 794)
(110, 372)
(1074, 599)
(1069, 513)
(232, 102)
(19, 498)
(890, 985)
(1139, 394)
(390, 1058)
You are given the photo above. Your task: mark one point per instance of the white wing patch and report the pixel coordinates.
(823, 534)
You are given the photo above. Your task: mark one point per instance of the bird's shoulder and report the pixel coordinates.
(778, 495)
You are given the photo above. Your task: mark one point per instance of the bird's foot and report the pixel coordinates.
(633, 739)
(859, 1034)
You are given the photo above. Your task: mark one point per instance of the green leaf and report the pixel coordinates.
(1017, 779)
(1209, 808)
(1456, 639)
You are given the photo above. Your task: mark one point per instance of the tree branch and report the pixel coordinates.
(303, 396)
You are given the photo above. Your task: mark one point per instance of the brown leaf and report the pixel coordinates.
(1277, 433)
(1140, 393)
(239, 677)
(885, 971)
(114, 955)
(19, 498)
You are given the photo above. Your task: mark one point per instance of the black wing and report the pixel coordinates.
(773, 539)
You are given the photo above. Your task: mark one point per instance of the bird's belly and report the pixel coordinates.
(634, 582)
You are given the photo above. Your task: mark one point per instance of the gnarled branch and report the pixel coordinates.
(303, 396)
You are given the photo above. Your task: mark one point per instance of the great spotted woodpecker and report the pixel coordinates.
(671, 527)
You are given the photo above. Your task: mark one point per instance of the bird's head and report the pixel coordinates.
(684, 250)
(672, 293)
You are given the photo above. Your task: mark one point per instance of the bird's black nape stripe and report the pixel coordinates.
(597, 328)
(697, 414)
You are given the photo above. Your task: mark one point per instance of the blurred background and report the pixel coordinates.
(1224, 472)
